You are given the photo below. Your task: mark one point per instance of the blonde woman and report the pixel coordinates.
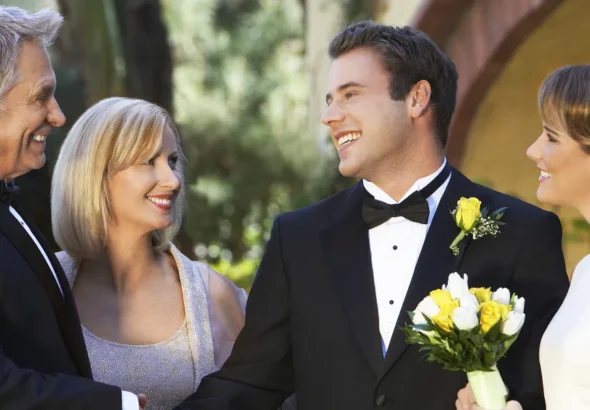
(154, 322)
(562, 154)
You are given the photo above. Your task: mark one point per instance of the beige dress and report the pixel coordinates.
(169, 371)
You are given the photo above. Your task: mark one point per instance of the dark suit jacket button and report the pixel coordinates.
(381, 400)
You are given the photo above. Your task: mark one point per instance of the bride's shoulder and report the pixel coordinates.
(582, 267)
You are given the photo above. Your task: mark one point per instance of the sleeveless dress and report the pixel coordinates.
(565, 347)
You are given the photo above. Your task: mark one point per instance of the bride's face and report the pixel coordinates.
(564, 168)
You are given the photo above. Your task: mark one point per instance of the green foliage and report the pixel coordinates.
(460, 350)
(241, 103)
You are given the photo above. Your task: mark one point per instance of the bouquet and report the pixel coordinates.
(469, 330)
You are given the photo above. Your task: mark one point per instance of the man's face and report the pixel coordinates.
(28, 113)
(368, 128)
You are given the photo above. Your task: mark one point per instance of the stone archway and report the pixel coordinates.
(480, 37)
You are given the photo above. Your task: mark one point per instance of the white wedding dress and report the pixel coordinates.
(565, 347)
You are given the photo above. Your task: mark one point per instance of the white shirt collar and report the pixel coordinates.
(380, 195)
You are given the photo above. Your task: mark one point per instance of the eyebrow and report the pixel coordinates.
(550, 131)
(344, 87)
(45, 90)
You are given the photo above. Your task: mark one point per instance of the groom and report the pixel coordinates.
(338, 277)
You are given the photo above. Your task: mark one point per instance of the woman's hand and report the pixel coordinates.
(466, 401)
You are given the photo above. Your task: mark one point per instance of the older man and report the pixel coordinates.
(43, 359)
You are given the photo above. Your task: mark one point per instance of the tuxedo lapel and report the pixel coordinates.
(346, 249)
(63, 305)
(435, 263)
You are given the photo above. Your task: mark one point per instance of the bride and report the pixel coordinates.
(562, 154)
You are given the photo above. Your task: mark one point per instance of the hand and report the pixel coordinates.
(142, 401)
(466, 401)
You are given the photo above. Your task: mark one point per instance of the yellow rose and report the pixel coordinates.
(441, 297)
(444, 318)
(491, 313)
(468, 210)
(482, 294)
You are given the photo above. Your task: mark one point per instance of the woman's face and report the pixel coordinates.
(564, 168)
(143, 195)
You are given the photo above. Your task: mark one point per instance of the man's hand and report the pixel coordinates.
(142, 401)
(466, 401)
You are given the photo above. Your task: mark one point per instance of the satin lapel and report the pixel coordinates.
(63, 305)
(346, 248)
(435, 263)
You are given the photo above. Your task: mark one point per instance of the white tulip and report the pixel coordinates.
(457, 285)
(519, 305)
(427, 307)
(513, 323)
(464, 318)
(469, 301)
(418, 318)
(502, 295)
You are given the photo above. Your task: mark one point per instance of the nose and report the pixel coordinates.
(169, 178)
(534, 151)
(332, 114)
(55, 116)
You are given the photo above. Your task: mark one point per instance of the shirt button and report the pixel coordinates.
(381, 400)
(395, 247)
(391, 302)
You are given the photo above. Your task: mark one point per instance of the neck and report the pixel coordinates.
(127, 261)
(396, 177)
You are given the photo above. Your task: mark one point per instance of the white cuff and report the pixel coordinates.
(129, 401)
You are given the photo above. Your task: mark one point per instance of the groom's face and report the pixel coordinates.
(368, 128)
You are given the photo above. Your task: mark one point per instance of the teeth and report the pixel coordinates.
(160, 201)
(545, 175)
(353, 136)
(40, 138)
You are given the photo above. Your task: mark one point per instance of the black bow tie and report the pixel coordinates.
(414, 207)
(9, 193)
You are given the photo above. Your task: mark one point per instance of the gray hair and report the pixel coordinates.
(18, 26)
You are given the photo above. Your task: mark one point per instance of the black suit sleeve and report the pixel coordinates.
(24, 389)
(259, 372)
(541, 278)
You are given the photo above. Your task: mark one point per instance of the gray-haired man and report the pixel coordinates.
(43, 358)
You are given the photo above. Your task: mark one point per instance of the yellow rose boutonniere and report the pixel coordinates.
(474, 221)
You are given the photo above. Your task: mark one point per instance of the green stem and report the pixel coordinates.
(458, 239)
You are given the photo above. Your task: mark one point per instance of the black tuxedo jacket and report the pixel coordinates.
(312, 321)
(43, 358)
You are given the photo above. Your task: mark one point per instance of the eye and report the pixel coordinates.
(150, 161)
(349, 95)
(173, 161)
(550, 138)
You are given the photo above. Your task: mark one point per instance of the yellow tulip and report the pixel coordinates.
(441, 297)
(468, 211)
(482, 294)
(444, 318)
(491, 313)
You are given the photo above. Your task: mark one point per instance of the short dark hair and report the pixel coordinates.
(409, 56)
(564, 101)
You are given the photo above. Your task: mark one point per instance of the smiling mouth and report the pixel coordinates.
(38, 138)
(162, 203)
(348, 138)
(544, 176)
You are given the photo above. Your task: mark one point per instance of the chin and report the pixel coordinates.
(546, 197)
(348, 170)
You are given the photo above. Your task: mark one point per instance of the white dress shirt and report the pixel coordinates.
(395, 247)
(129, 400)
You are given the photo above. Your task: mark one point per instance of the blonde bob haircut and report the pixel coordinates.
(564, 102)
(109, 137)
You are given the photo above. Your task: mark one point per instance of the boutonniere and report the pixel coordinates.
(475, 222)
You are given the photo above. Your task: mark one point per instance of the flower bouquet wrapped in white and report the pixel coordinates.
(469, 330)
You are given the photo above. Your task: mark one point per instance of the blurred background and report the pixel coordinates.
(245, 82)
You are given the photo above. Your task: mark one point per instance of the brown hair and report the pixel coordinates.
(564, 101)
(409, 56)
